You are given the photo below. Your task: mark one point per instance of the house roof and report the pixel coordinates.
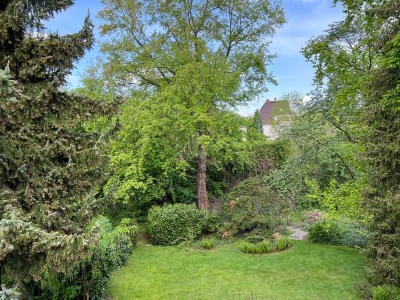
(266, 112)
(272, 109)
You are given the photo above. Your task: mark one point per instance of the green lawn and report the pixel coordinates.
(306, 271)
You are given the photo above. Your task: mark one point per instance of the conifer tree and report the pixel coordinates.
(257, 122)
(49, 164)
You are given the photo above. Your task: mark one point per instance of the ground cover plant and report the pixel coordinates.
(306, 271)
(339, 232)
(266, 246)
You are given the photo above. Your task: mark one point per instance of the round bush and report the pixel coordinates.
(173, 224)
(324, 233)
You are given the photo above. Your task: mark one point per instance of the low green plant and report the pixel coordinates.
(265, 246)
(283, 243)
(174, 224)
(352, 234)
(207, 243)
(386, 292)
(250, 248)
(339, 232)
(257, 248)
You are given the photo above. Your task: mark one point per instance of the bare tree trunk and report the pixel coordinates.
(202, 197)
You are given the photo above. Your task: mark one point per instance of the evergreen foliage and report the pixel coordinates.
(382, 143)
(366, 79)
(257, 124)
(50, 164)
(90, 276)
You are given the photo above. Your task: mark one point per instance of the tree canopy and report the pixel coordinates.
(188, 62)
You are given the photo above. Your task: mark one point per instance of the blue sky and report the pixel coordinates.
(306, 18)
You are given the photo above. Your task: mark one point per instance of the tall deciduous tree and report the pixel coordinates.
(195, 58)
(49, 164)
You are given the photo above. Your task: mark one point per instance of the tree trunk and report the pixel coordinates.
(202, 197)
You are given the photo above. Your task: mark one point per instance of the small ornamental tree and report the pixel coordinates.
(49, 164)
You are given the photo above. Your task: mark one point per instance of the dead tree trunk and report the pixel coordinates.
(202, 197)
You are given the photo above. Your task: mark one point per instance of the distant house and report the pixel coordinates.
(275, 115)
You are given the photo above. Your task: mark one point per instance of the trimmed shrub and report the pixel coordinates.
(386, 292)
(173, 224)
(252, 205)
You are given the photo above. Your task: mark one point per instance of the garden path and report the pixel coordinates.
(298, 233)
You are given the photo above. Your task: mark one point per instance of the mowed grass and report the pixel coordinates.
(306, 271)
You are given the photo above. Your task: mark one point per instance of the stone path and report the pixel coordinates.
(298, 233)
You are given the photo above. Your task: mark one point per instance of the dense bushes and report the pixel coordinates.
(345, 233)
(212, 222)
(269, 155)
(251, 205)
(90, 277)
(173, 224)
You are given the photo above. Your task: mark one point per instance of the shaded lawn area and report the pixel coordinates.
(306, 271)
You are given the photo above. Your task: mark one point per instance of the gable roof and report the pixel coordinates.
(272, 109)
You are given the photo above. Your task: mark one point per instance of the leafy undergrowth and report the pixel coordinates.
(306, 271)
